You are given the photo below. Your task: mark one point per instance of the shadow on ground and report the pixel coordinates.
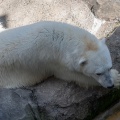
(3, 21)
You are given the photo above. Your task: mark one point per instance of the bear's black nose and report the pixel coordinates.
(110, 87)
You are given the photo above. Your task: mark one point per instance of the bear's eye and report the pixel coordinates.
(110, 68)
(99, 73)
(84, 63)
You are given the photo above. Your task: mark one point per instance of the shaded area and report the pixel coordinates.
(111, 114)
(113, 43)
(3, 21)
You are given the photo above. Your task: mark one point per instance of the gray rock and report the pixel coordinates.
(16, 105)
(53, 100)
(111, 7)
(100, 7)
(113, 43)
(67, 101)
(107, 10)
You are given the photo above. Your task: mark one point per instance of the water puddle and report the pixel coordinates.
(114, 116)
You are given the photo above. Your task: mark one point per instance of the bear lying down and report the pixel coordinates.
(32, 53)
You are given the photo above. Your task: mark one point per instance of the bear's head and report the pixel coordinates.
(97, 63)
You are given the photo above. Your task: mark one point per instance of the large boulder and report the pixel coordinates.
(54, 100)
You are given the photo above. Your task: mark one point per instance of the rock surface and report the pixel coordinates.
(92, 15)
(56, 99)
(101, 7)
(111, 114)
(114, 46)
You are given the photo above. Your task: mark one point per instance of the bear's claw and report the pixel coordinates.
(116, 78)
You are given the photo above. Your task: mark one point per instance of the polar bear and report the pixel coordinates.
(32, 53)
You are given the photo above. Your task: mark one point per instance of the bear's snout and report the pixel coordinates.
(110, 87)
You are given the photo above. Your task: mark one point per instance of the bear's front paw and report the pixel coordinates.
(116, 77)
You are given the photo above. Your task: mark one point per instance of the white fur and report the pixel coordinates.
(1, 27)
(30, 54)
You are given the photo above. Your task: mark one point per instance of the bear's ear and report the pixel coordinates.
(82, 61)
(103, 40)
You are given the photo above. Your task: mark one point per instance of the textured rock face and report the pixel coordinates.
(101, 7)
(67, 11)
(82, 13)
(108, 11)
(56, 99)
(114, 46)
(53, 100)
(111, 7)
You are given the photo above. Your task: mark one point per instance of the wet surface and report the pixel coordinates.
(115, 116)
